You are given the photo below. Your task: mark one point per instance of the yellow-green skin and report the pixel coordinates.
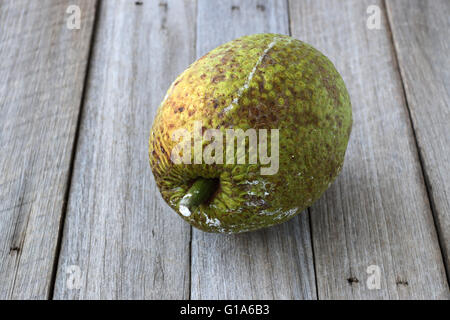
(293, 88)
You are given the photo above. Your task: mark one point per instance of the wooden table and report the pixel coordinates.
(80, 215)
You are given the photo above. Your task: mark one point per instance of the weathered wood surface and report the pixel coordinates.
(377, 212)
(124, 239)
(42, 71)
(421, 33)
(388, 208)
(276, 263)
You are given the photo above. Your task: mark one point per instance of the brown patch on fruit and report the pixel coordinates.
(155, 154)
(331, 89)
(203, 57)
(338, 121)
(328, 83)
(306, 95)
(253, 111)
(177, 82)
(261, 86)
(227, 57)
(306, 118)
(273, 117)
(266, 60)
(218, 78)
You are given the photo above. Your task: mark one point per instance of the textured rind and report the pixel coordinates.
(293, 88)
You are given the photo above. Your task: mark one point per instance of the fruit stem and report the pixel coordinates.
(201, 190)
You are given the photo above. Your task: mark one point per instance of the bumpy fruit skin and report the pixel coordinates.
(275, 81)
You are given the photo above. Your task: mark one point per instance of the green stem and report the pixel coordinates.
(201, 190)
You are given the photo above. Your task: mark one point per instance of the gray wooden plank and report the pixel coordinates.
(421, 33)
(42, 72)
(377, 212)
(275, 263)
(122, 238)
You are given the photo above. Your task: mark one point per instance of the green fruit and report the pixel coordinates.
(262, 81)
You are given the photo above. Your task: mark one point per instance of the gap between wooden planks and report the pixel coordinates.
(42, 71)
(420, 32)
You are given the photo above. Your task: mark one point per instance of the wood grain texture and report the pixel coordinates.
(42, 71)
(421, 33)
(377, 212)
(125, 240)
(276, 263)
